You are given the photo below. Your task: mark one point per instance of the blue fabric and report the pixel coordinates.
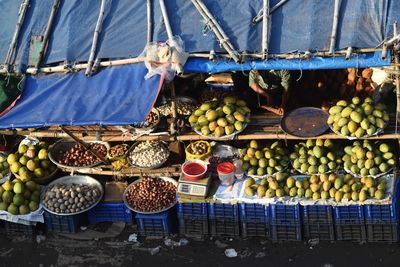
(299, 25)
(360, 61)
(115, 96)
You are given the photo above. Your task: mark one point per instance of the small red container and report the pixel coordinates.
(226, 173)
(194, 169)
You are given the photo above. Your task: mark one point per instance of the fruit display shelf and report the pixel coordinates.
(262, 126)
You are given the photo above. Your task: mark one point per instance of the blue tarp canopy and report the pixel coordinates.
(299, 25)
(115, 96)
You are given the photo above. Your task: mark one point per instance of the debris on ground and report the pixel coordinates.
(313, 242)
(40, 238)
(133, 238)
(230, 253)
(260, 255)
(154, 251)
(171, 243)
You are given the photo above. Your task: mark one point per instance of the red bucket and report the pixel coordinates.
(194, 169)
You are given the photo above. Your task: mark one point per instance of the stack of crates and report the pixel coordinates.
(350, 223)
(110, 212)
(67, 224)
(318, 222)
(254, 220)
(12, 229)
(285, 222)
(193, 220)
(154, 225)
(224, 220)
(382, 220)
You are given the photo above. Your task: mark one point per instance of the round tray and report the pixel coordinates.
(373, 176)
(305, 122)
(128, 157)
(379, 131)
(150, 128)
(266, 175)
(79, 179)
(65, 145)
(224, 137)
(168, 179)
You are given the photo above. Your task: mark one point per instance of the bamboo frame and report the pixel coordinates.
(260, 15)
(397, 82)
(334, 26)
(265, 29)
(11, 49)
(47, 33)
(97, 31)
(149, 22)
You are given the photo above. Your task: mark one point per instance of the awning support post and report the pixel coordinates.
(334, 26)
(97, 31)
(397, 81)
(265, 30)
(149, 22)
(11, 49)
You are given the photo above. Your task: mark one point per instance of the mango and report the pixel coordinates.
(238, 116)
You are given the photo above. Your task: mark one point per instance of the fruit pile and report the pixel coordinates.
(345, 188)
(368, 158)
(31, 162)
(268, 159)
(79, 156)
(279, 186)
(357, 119)
(220, 118)
(4, 166)
(18, 197)
(117, 151)
(315, 156)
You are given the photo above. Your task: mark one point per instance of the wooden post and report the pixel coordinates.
(11, 49)
(397, 81)
(149, 22)
(173, 107)
(85, 145)
(334, 26)
(265, 29)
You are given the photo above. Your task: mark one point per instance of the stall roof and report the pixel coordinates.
(297, 26)
(115, 96)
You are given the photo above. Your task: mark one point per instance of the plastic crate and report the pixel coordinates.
(253, 212)
(255, 229)
(284, 214)
(322, 231)
(155, 225)
(351, 232)
(192, 210)
(64, 224)
(352, 214)
(317, 214)
(110, 212)
(11, 228)
(223, 211)
(195, 228)
(383, 232)
(286, 232)
(224, 227)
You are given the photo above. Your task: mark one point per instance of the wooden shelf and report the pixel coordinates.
(262, 126)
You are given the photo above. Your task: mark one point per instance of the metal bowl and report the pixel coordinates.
(142, 128)
(78, 179)
(305, 122)
(168, 179)
(58, 149)
(147, 168)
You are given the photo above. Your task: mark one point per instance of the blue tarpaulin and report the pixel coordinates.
(358, 61)
(299, 25)
(115, 96)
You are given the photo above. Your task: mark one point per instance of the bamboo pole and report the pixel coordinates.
(179, 68)
(397, 82)
(259, 17)
(97, 31)
(85, 145)
(173, 108)
(334, 26)
(265, 29)
(11, 49)
(49, 26)
(224, 41)
(348, 53)
(149, 22)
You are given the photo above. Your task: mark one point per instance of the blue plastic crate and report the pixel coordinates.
(317, 214)
(350, 232)
(221, 87)
(194, 228)
(352, 214)
(223, 211)
(383, 232)
(284, 214)
(11, 228)
(322, 231)
(224, 227)
(110, 212)
(255, 229)
(196, 211)
(64, 224)
(286, 232)
(156, 225)
(253, 212)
